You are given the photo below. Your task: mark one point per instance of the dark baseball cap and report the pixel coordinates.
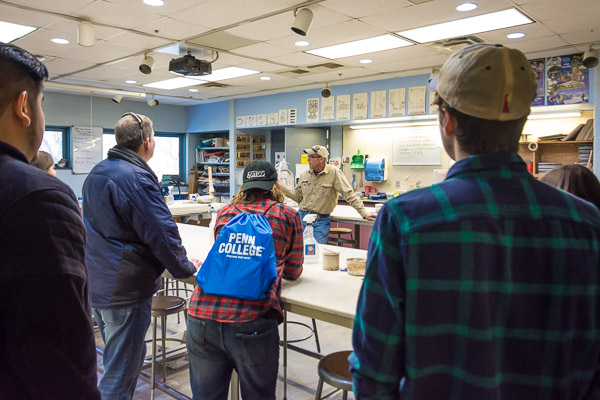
(259, 174)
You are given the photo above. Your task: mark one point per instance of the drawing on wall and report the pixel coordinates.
(397, 102)
(240, 122)
(568, 80)
(312, 110)
(343, 107)
(272, 118)
(327, 108)
(261, 119)
(359, 105)
(416, 100)
(538, 69)
(378, 104)
(282, 117)
(250, 120)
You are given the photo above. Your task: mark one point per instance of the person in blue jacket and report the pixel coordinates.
(132, 238)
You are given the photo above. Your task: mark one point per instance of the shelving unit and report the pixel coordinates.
(218, 159)
(242, 151)
(566, 152)
(259, 146)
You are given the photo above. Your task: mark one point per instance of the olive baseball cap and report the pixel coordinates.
(259, 174)
(488, 81)
(319, 150)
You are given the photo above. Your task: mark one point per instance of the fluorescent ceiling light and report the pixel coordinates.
(366, 61)
(466, 7)
(59, 40)
(515, 35)
(193, 90)
(564, 114)
(226, 73)
(301, 43)
(131, 82)
(10, 32)
(467, 26)
(174, 83)
(91, 89)
(154, 3)
(265, 78)
(394, 125)
(364, 46)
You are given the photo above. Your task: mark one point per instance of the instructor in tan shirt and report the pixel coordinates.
(318, 189)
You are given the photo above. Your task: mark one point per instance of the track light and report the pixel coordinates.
(302, 22)
(590, 58)
(147, 64)
(117, 98)
(152, 102)
(326, 91)
(85, 33)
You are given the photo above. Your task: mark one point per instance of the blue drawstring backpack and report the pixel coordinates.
(241, 263)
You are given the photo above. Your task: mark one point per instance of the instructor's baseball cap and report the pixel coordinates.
(318, 150)
(488, 81)
(259, 174)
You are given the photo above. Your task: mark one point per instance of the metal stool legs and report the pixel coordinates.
(334, 369)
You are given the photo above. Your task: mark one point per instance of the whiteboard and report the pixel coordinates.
(87, 148)
(417, 146)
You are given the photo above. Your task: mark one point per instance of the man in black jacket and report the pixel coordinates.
(47, 346)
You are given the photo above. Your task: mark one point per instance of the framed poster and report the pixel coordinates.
(567, 80)
(538, 66)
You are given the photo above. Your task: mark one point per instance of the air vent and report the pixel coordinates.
(215, 84)
(325, 66)
(294, 72)
(454, 44)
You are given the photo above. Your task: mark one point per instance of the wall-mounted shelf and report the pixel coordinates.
(560, 152)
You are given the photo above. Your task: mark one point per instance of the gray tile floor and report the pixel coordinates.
(302, 369)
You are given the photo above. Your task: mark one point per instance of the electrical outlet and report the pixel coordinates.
(397, 184)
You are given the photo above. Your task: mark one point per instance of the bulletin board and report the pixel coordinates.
(87, 148)
(417, 146)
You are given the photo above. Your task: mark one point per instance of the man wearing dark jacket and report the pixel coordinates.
(46, 338)
(132, 238)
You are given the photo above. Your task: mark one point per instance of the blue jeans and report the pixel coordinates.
(320, 226)
(216, 348)
(123, 331)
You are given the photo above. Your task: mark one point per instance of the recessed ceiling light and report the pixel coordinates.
(226, 73)
(193, 90)
(10, 32)
(364, 46)
(59, 40)
(265, 78)
(174, 83)
(301, 43)
(516, 35)
(467, 26)
(154, 3)
(466, 7)
(130, 81)
(366, 61)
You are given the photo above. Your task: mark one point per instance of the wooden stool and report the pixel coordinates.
(161, 307)
(334, 369)
(339, 241)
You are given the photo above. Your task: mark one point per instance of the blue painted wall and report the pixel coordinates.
(208, 117)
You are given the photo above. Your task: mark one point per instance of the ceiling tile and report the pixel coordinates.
(266, 29)
(573, 23)
(59, 6)
(363, 8)
(298, 59)
(38, 42)
(335, 75)
(25, 17)
(551, 9)
(263, 50)
(219, 13)
(101, 73)
(124, 16)
(582, 36)
(101, 52)
(62, 66)
(262, 66)
(69, 26)
(172, 28)
(408, 64)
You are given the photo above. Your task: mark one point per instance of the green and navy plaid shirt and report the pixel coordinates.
(482, 287)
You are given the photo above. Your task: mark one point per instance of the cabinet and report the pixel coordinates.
(546, 155)
(259, 146)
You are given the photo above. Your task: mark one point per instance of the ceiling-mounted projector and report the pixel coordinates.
(188, 65)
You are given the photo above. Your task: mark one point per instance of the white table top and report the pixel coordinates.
(333, 293)
(187, 207)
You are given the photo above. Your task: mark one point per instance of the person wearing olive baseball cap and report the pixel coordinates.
(318, 191)
(478, 276)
